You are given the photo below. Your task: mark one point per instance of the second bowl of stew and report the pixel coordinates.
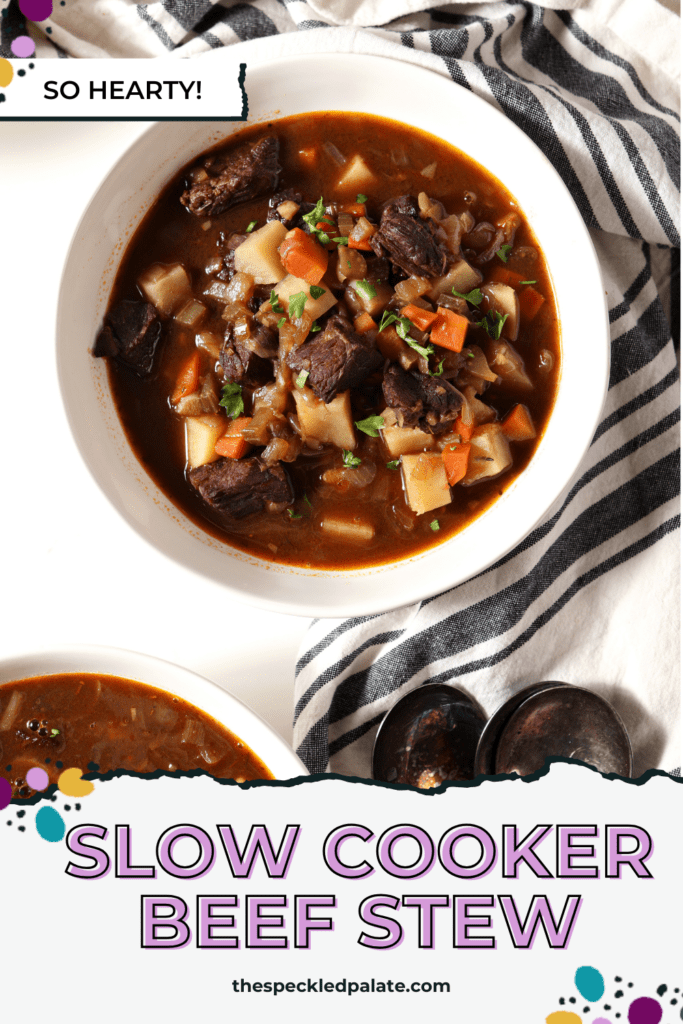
(338, 365)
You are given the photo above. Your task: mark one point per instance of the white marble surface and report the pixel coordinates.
(72, 570)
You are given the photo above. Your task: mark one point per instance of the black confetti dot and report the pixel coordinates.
(673, 1002)
(31, 66)
(78, 807)
(661, 990)
(617, 979)
(59, 764)
(630, 984)
(22, 828)
(20, 814)
(571, 999)
(2, 97)
(607, 1006)
(8, 768)
(67, 807)
(618, 994)
(47, 760)
(21, 72)
(53, 798)
(586, 1009)
(561, 1001)
(9, 822)
(48, 30)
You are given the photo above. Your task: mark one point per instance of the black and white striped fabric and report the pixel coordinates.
(591, 596)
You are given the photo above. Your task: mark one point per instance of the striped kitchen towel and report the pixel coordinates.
(591, 596)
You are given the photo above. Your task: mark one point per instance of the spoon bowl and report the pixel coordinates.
(429, 736)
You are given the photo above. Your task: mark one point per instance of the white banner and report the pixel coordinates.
(107, 90)
(184, 899)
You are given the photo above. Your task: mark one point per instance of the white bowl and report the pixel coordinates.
(388, 88)
(278, 757)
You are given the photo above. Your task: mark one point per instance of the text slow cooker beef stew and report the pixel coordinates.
(333, 342)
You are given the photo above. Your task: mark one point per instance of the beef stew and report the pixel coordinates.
(81, 720)
(333, 342)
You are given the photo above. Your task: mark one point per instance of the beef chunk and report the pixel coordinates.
(245, 174)
(421, 401)
(249, 363)
(130, 334)
(337, 359)
(241, 487)
(409, 241)
(228, 268)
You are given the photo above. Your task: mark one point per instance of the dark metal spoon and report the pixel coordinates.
(428, 737)
(554, 719)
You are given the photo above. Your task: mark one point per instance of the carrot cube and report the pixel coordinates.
(518, 425)
(449, 329)
(530, 301)
(188, 379)
(422, 318)
(455, 459)
(232, 445)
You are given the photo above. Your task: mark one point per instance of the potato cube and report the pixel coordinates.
(357, 175)
(165, 287)
(331, 423)
(293, 285)
(403, 440)
(461, 276)
(258, 255)
(425, 482)
(507, 363)
(201, 434)
(504, 300)
(355, 529)
(489, 454)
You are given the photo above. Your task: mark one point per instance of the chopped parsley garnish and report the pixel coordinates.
(528, 282)
(251, 225)
(371, 425)
(393, 464)
(439, 369)
(423, 350)
(301, 379)
(231, 399)
(474, 297)
(307, 500)
(327, 220)
(403, 324)
(434, 525)
(316, 291)
(315, 326)
(493, 323)
(275, 302)
(349, 459)
(365, 288)
(316, 216)
(292, 514)
(54, 732)
(504, 252)
(341, 239)
(296, 305)
(470, 355)
(281, 321)
(360, 198)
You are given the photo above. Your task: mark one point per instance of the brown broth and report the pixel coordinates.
(170, 234)
(77, 720)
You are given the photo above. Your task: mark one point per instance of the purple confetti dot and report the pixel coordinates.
(23, 46)
(37, 779)
(36, 10)
(644, 1011)
(5, 793)
(601, 1020)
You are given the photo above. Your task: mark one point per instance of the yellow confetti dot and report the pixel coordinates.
(71, 783)
(6, 72)
(563, 1017)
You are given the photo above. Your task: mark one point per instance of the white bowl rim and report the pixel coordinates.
(245, 723)
(355, 603)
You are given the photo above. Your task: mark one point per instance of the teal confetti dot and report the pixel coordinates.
(50, 824)
(590, 983)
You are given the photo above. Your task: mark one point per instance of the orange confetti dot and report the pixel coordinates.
(563, 1017)
(72, 783)
(6, 72)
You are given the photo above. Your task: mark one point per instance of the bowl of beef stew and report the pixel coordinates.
(337, 364)
(86, 706)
